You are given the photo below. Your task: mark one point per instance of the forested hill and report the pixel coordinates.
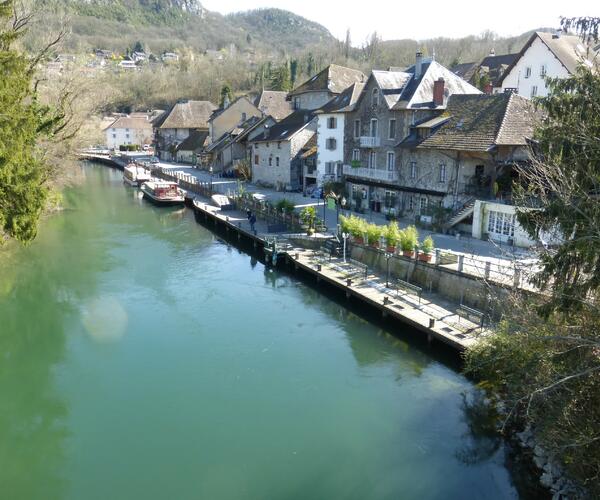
(174, 24)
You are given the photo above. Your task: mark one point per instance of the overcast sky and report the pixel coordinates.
(421, 19)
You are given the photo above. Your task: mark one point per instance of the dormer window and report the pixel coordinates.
(375, 98)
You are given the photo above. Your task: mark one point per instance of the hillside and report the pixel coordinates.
(171, 24)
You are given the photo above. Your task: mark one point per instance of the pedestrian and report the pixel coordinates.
(252, 222)
(248, 214)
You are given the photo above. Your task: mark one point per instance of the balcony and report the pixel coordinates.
(372, 174)
(370, 142)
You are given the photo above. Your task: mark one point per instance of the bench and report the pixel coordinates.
(360, 267)
(332, 248)
(470, 314)
(409, 288)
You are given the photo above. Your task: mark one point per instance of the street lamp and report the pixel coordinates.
(210, 171)
(388, 256)
(345, 236)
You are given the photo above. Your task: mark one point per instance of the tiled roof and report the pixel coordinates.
(274, 103)
(196, 140)
(465, 70)
(480, 122)
(133, 122)
(186, 114)
(287, 127)
(343, 102)
(333, 78)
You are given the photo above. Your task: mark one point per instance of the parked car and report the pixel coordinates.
(154, 160)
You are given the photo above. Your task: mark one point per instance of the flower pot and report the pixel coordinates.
(391, 249)
(425, 257)
(408, 253)
(358, 240)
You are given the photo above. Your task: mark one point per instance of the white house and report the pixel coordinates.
(131, 129)
(545, 55)
(330, 138)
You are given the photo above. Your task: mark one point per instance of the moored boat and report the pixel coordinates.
(135, 175)
(163, 192)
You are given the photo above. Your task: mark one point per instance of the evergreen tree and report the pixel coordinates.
(225, 94)
(293, 72)
(280, 79)
(347, 45)
(24, 123)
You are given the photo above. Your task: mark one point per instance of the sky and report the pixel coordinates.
(421, 19)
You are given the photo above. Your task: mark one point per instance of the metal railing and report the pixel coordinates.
(370, 142)
(372, 173)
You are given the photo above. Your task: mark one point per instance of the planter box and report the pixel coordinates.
(425, 257)
(391, 249)
(408, 253)
(358, 240)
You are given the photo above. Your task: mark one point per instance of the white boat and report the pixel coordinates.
(163, 192)
(135, 175)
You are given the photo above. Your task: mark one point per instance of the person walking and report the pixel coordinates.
(252, 222)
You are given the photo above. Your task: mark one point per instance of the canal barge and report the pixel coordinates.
(163, 193)
(135, 175)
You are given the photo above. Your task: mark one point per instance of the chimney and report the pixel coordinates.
(488, 88)
(492, 52)
(438, 92)
(418, 63)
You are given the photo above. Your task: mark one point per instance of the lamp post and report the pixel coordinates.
(345, 237)
(388, 256)
(210, 171)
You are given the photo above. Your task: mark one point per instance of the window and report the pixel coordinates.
(279, 145)
(277, 161)
(127, 136)
(392, 129)
(243, 117)
(356, 155)
(423, 203)
(356, 128)
(329, 167)
(126, 130)
(270, 161)
(375, 98)
(374, 127)
(533, 90)
(296, 103)
(501, 224)
(256, 159)
(372, 159)
(527, 71)
(442, 172)
(331, 144)
(332, 122)
(411, 203)
(543, 70)
(391, 160)
(114, 136)
(413, 169)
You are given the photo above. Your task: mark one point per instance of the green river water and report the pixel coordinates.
(143, 358)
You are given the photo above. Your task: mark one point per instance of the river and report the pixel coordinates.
(141, 357)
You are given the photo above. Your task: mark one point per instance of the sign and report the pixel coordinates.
(331, 203)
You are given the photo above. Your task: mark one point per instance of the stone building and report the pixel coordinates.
(390, 103)
(276, 153)
(324, 86)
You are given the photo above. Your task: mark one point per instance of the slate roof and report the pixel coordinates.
(186, 114)
(493, 65)
(568, 49)
(333, 78)
(274, 103)
(287, 127)
(343, 102)
(481, 122)
(401, 90)
(195, 141)
(465, 70)
(134, 122)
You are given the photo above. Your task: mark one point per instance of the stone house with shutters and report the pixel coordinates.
(276, 154)
(324, 86)
(390, 103)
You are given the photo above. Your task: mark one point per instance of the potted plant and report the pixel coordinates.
(308, 217)
(357, 229)
(374, 234)
(392, 236)
(409, 240)
(427, 247)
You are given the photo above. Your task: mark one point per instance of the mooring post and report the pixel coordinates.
(461, 263)
(488, 268)
(517, 278)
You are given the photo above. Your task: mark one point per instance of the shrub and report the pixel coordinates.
(409, 239)
(427, 245)
(374, 233)
(285, 206)
(392, 234)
